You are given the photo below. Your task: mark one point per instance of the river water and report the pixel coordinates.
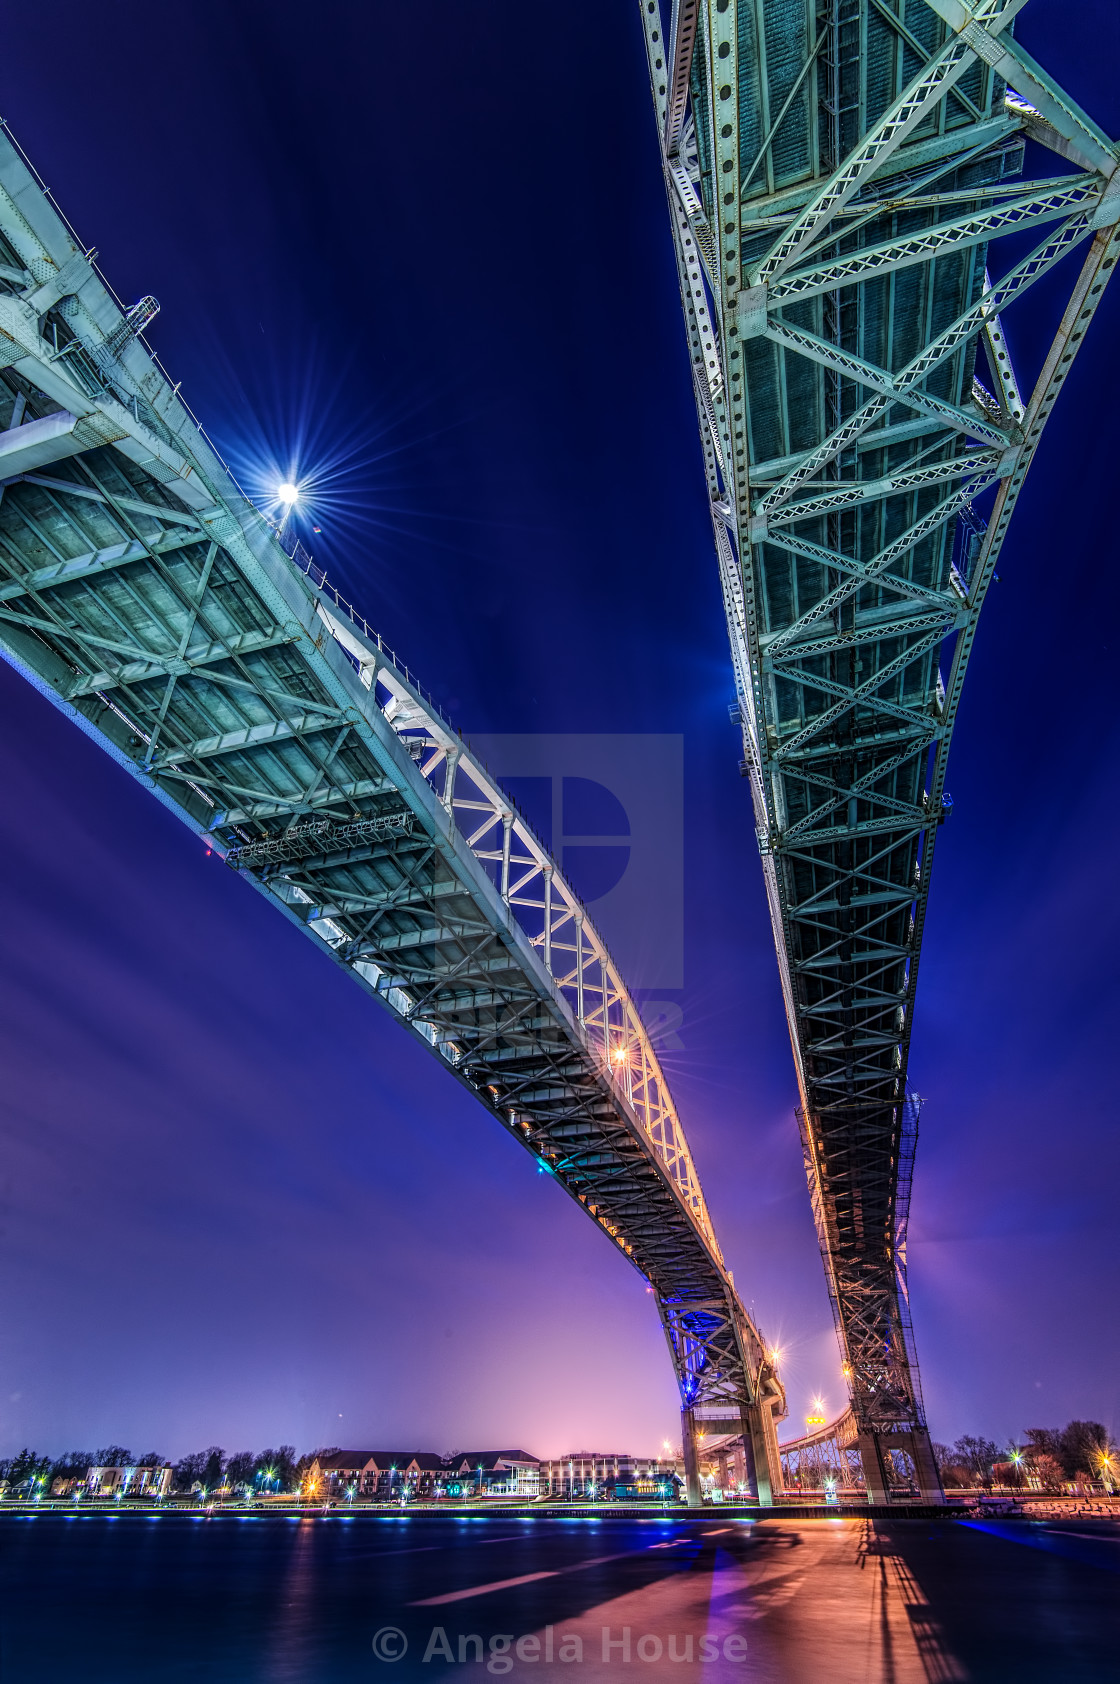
(331, 1599)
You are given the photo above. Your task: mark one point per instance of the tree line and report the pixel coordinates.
(1056, 1455)
(276, 1469)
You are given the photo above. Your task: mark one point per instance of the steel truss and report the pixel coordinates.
(144, 596)
(837, 171)
(829, 1455)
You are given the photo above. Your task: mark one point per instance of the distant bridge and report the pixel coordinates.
(836, 171)
(145, 596)
(829, 1456)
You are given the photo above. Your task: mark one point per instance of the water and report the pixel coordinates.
(260, 1599)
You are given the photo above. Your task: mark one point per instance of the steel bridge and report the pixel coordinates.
(838, 172)
(144, 596)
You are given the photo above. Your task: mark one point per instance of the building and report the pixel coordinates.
(128, 1482)
(595, 1473)
(378, 1474)
(493, 1473)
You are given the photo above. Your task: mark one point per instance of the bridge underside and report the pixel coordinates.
(838, 172)
(154, 605)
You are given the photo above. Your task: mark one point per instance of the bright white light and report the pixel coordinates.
(288, 493)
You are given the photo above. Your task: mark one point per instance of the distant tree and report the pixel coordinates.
(1043, 1441)
(151, 1459)
(114, 1456)
(1008, 1472)
(188, 1470)
(73, 1464)
(977, 1455)
(213, 1467)
(27, 1469)
(1080, 1448)
(1047, 1469)
(275, 1470)
(241, 1469)
(949, 1467)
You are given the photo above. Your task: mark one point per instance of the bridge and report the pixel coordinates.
(839, 174)
(180, 628)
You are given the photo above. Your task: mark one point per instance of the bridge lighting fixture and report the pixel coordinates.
(287, 495)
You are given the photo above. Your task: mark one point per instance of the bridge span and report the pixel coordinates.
(148, 599)
(840, 177)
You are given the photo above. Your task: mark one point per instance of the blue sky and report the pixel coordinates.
(422, 256)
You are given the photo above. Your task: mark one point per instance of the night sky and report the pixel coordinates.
(421, 255)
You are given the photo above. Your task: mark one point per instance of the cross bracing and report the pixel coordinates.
(145, 596)
(841, 175)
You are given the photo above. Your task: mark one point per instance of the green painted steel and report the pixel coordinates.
(837, 173)
(152, 603)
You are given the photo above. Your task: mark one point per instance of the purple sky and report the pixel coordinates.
(237, 1203)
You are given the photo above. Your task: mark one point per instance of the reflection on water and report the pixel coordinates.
(260, 1599)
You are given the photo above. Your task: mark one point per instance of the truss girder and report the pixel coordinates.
(855, 165)
(154, 605)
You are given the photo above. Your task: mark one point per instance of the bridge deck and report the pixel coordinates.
(150, 601)
(837, 171)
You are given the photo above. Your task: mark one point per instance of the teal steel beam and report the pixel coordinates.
(157, 608)
(855, 163)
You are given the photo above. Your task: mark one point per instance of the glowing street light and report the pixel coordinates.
(287, 493)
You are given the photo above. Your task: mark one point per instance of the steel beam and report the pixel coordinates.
(145, 597)
(849, 450)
